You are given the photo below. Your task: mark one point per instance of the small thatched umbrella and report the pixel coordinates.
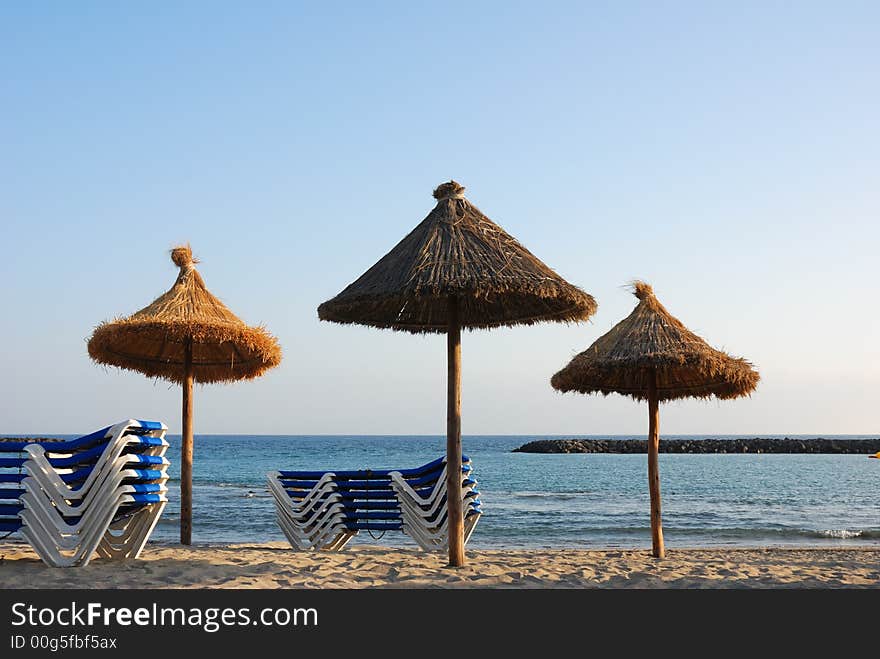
(186, 335)
(457, 269)
(651, 355)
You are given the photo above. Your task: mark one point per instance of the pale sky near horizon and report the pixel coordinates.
(729, 154)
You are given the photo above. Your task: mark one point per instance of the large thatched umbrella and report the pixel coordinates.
(650, 355)
(186, 335)
(457, 269)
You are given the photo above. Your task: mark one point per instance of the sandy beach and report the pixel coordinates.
(274, 565)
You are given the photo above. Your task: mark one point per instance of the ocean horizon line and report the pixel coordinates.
(706, 435)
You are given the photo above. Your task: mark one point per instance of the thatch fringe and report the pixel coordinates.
(151, 341)
(651, 342)
(457, 250)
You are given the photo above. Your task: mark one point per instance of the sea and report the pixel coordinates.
(532, 501)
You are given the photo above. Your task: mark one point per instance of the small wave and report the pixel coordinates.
(845, 534)
(569, 494)
(247, 491)
(766, 532)
(740, 533)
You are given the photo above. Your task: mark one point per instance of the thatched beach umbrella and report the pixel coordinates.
(186, 335)
(457, 269)
(650, 355)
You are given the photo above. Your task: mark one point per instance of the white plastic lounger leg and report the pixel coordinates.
(137, 545)
(53, 552)
(299, 540)
(80, 555)
(52, 537)
(130, 543)
(314, 537)
(341, 540)
(470, 523)
(307, 535)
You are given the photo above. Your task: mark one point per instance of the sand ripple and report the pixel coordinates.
(275, 565)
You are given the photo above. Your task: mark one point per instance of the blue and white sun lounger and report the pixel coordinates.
(103, 492)
(424, 517)
(310, 513)
(325, 510)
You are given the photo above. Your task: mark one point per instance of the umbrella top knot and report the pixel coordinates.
(183, 257)
(642, 290)
(449, 190)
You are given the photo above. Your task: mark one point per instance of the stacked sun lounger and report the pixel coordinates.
(326, 509)
(101, 493)
(422, 497)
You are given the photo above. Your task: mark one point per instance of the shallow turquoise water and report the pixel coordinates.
(532, 500)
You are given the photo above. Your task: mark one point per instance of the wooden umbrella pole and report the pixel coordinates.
(186, 448)
(453, 436)
(658, 550)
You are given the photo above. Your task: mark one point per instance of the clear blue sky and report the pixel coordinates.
(729, 153)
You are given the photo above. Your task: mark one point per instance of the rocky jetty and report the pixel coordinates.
(42, 440)
(745, 445)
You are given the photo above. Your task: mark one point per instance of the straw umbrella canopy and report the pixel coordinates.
(457, 269)
(186, 335)
(651, 355)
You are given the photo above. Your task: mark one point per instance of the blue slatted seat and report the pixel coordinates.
(325, 509)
